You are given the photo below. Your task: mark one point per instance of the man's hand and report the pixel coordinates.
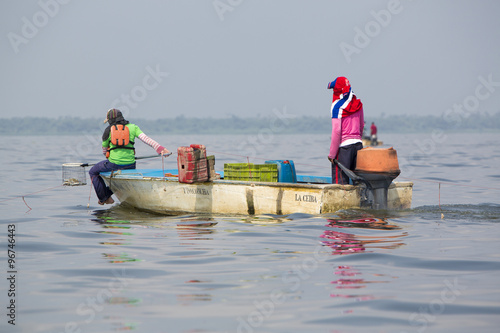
(165, 151)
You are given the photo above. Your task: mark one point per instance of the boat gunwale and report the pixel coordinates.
(320, 186)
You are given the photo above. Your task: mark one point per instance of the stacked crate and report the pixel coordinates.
(192, 164)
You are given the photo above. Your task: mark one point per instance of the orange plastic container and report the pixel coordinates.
(377, 160)
(192, 164)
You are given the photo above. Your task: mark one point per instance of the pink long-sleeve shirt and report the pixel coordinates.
(346, 131)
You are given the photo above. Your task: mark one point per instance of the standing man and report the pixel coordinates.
(347, 128)
(118, 147)
(373, 134)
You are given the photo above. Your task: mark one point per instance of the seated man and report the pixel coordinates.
(118, 147)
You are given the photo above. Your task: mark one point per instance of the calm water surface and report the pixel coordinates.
(433, 268)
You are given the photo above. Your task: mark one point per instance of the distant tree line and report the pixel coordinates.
(238, 125)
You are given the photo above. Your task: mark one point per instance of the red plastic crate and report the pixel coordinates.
(192, 164)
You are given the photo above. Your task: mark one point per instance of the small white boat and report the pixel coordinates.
(368, 143)
(150, 190)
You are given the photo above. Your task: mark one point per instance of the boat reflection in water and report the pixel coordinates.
(342, 242)
(196, 228)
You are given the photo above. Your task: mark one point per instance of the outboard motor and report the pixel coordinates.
(377, 167)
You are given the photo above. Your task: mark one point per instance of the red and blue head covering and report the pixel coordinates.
(344, 101)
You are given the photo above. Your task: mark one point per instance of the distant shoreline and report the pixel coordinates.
(481, 122)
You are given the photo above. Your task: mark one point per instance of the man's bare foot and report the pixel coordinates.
(108, 201)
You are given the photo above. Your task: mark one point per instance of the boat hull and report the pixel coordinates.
(168, 196)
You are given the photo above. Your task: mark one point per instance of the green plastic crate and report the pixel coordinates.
(251, 172)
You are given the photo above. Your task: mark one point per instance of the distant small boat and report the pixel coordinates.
(368, 143)
(151, 190)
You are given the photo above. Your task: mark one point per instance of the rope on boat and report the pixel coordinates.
(90, 190)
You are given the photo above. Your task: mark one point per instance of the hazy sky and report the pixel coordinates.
(203, 58)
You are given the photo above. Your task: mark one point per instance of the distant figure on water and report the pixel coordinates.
(118, 147)
(347, 128)
(373, 134)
